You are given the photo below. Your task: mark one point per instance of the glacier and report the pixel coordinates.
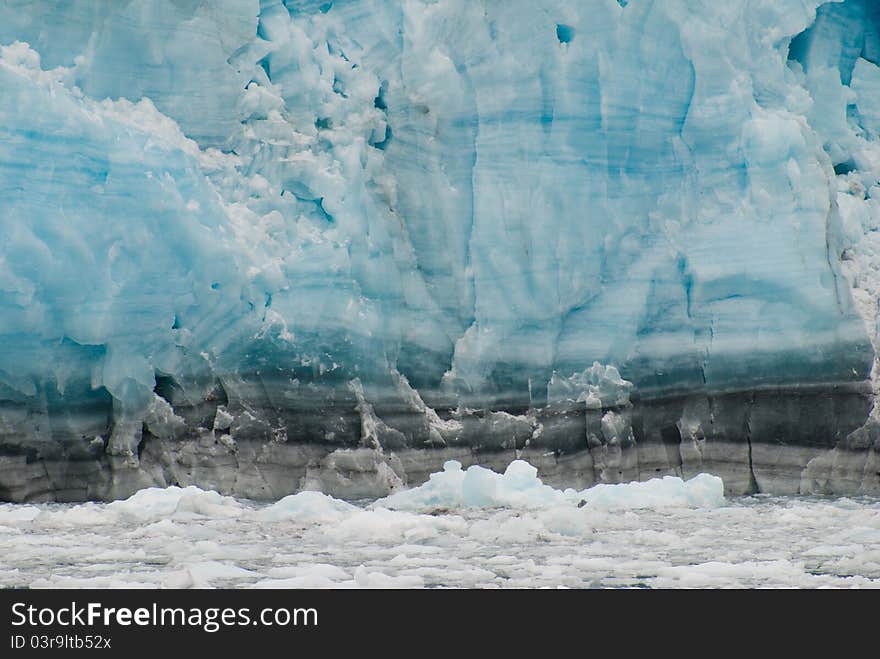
(264, 247)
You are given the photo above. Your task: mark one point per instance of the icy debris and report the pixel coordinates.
(202, 573)
(366, 579)
(222, 419)
(11, 513)
(304, 581)
(325, 570)
(161, 420)
(615, 427)
(394, 526)
(306, 507)
(375, 433)
(355, 473)
(227, 441)
(157, 503)
(520, 487)
(153, 505)
(598, 386)
(749, 542)
(394, 517)
(701, 491)
(438, 427)
(329, 576)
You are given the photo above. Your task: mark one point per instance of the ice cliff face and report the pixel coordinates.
(270, 245)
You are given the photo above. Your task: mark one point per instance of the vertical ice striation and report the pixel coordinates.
(364, 227)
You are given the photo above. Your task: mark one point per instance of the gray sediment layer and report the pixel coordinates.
(792, 440)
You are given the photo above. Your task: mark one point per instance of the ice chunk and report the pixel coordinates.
(520, 487)
(598, 386)
(306, 507)
(443, 490)
(12, 514)
(161, 420)
(701, 491)
(366, 579)
(159, 503)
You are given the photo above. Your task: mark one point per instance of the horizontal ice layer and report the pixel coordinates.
(320, 222)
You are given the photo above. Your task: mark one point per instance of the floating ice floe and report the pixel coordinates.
(306, 507)
(520, 487)
(463, 528)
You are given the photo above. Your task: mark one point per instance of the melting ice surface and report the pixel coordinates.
(473, 528)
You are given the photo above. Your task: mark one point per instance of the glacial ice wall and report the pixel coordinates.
(389, 206)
